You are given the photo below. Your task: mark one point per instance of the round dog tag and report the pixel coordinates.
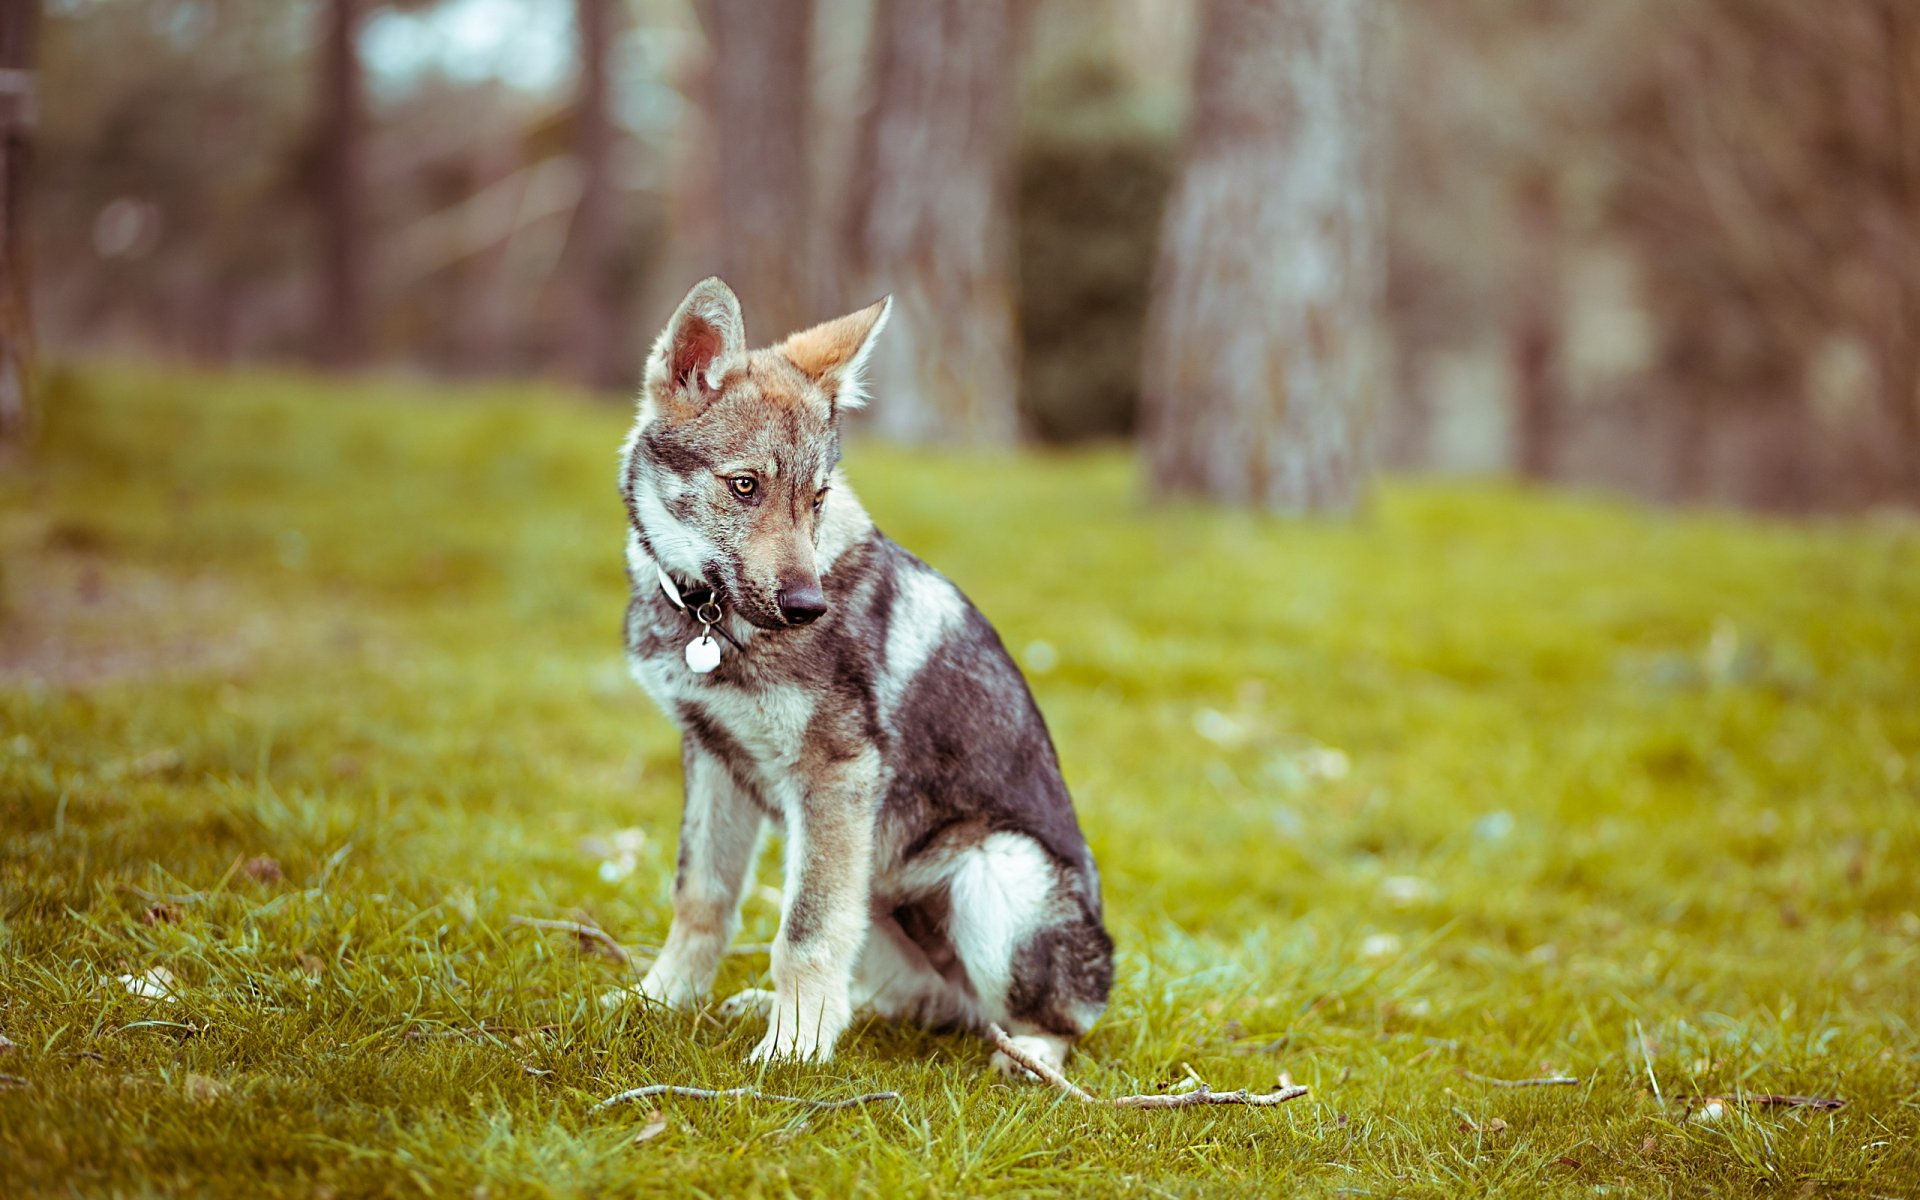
(703, 654)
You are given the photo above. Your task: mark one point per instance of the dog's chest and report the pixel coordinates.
(762, 721)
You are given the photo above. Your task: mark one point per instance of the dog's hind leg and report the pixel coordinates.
(898, 979)
(1038, 959)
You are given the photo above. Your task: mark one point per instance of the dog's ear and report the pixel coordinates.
(835, 352)
(697, 347)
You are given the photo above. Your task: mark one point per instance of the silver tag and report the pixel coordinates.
(703, 654)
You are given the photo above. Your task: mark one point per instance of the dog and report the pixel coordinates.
(827, 682)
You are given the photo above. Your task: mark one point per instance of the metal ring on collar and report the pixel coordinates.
(701, 614)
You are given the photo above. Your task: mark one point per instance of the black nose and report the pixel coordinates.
(801, 605)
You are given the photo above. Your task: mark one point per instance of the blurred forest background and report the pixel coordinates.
(1665, 246)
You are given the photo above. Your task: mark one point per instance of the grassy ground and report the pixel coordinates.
(308, 690)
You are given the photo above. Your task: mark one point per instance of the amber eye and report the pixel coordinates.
(819, 498)
(744, 485)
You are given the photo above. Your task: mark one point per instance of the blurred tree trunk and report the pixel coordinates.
(931, 219)
(1263, 344)
(1894, 235)
(1534, 325)
(342, 126)
(591, 309)
(19, 22)
(758, 85)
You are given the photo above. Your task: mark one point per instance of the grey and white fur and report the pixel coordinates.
(935, 870)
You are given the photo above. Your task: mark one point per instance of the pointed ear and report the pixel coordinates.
(692, 352)
(835, 352)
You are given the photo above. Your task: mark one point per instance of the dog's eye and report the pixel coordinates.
(743, 485)
(819, 498)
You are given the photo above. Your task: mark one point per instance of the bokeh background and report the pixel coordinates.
(1446, 469)
(1670, 247)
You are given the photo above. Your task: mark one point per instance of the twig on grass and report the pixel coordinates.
(582, 930)
(1200, 1096)
(1770, 1100)
(1542, 1081)
(165, 897)
(478, 1032)
(745, 1093)
(623, 954)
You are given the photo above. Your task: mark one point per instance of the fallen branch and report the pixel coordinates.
(581, 930)
(1823, 1103)
(745, 1093)
(1543, 1081)
(165, 897)
(480, 1031)
(587, 932)
(1194, 1099)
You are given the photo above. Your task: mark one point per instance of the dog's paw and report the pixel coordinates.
(670, 986)
(1048, 1051)
(620, 997)
(785, 1044)
(746, 1004)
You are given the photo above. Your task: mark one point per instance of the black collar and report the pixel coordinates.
(692, 598)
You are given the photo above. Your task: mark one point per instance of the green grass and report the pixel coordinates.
(1487, 782)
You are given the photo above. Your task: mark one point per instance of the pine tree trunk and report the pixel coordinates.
(758, 85)
(931, 220)
(1263, 346)
(19, 21)
(342, 123)
(592, 303)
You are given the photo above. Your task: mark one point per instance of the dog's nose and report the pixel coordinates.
(801, 605)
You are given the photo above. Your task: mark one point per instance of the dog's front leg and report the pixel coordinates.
(824, 913)
(719, 831)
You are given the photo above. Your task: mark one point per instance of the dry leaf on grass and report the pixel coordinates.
(164, 761)
(655, 1126)
(161, 914)
(154, 983)
(202, 1089)
(264, 868)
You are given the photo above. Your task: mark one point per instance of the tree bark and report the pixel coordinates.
(1263, 346)
(758, 86)
(19, 25)
(339, 191)
(591, 310)
(931, 223)
(1534, 325)
(1895, 336)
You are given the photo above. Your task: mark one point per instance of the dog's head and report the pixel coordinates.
(734, 457)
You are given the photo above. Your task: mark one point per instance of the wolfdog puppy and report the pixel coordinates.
(828, 682)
